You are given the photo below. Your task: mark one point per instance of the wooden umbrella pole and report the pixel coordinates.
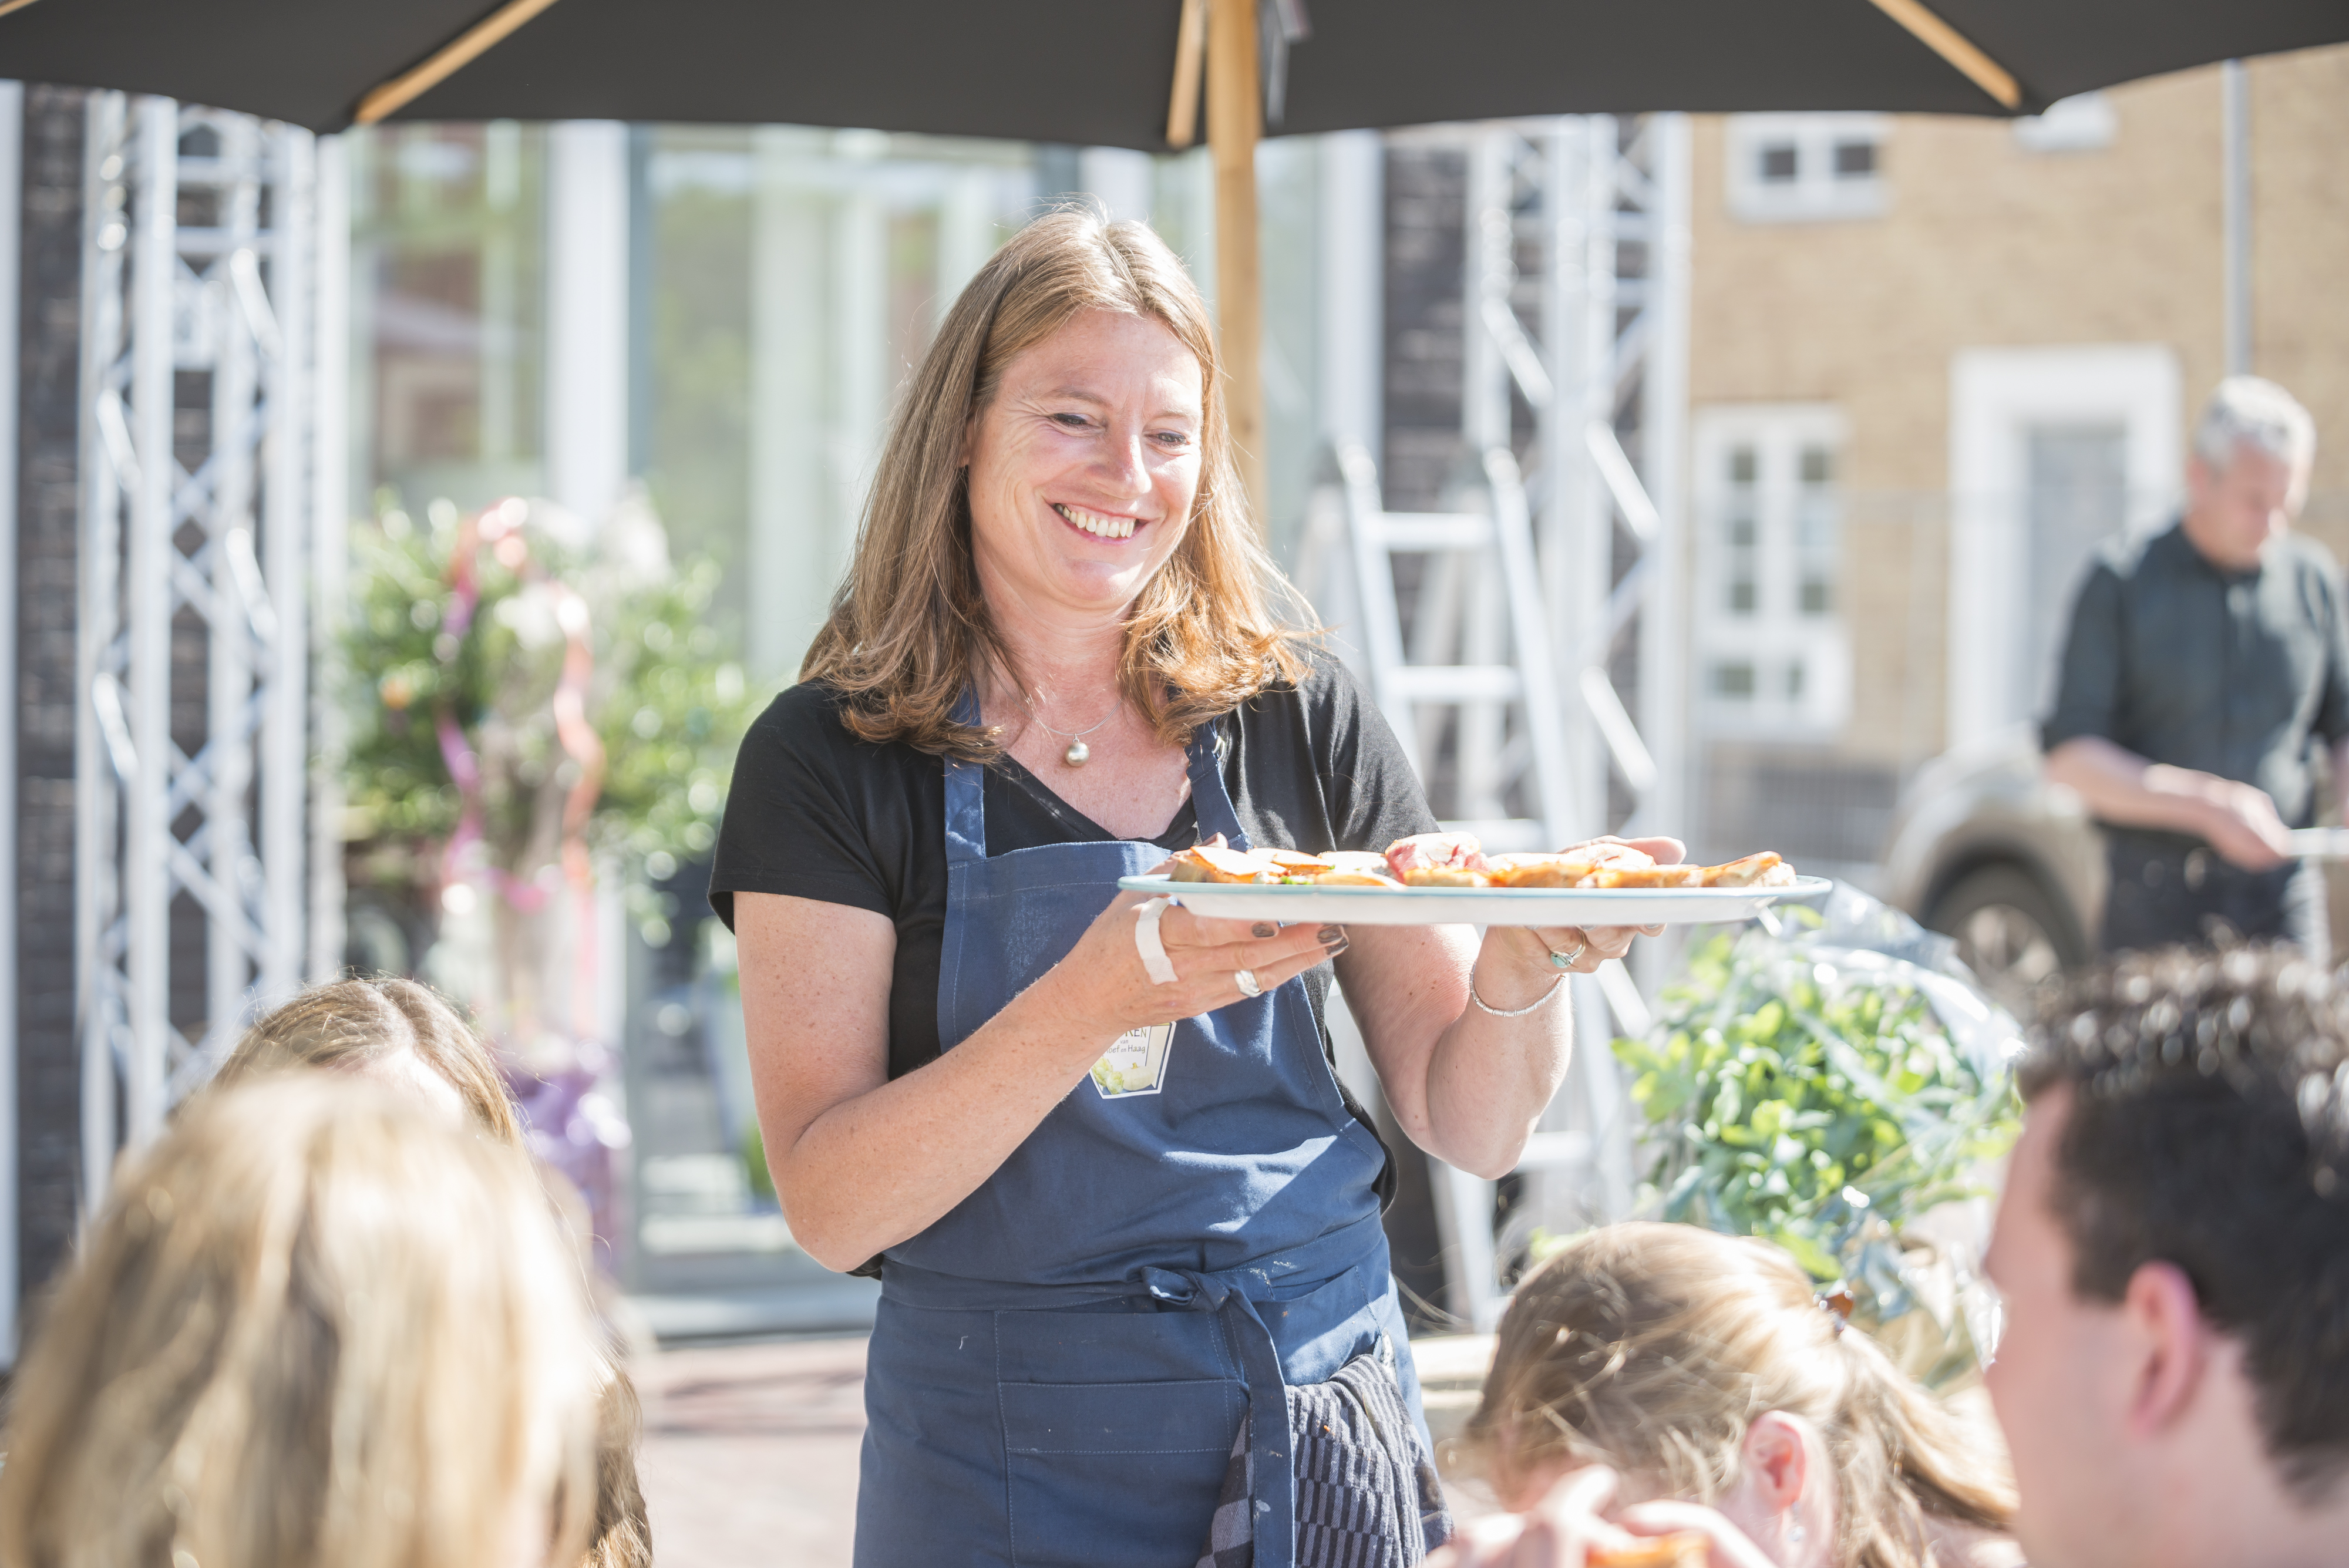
(1235, 125)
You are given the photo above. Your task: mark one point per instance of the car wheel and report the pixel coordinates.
(2009, 931)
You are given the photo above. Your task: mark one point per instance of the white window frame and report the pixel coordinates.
(1817, 193)
(1778, 635)
(1997, 396)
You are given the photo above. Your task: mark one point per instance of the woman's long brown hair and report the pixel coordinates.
(909, 628)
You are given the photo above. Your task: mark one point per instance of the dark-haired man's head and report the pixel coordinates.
(2174, 1249)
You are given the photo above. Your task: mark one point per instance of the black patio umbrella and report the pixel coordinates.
(1128, 73)
(1100, 73)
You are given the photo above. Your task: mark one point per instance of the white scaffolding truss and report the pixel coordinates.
(1591, 337)
(192, 747)
(1594, 339)
(1602, 204)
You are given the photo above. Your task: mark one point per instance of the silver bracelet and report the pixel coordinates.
(1513, 1012)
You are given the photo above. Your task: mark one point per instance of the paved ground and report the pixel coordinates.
(750, 1455)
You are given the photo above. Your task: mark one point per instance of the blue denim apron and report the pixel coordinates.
(1060, 1365)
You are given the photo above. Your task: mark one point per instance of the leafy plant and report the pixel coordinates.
(471, 640)
(1809, 1095)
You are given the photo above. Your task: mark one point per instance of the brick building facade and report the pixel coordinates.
(1936, 357)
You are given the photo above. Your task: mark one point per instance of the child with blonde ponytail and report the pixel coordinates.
(1664, 1381)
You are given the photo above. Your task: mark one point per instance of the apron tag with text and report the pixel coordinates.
(1136, 1063)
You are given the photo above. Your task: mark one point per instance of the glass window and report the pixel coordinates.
(792, 280)
(694, 345)
(1816, 531)
(1773, 653)
(448, 274)
(1742, 535)
(1855, 160)
(1805, 167)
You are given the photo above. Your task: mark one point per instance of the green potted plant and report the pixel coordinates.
(1828, 1095)
(534, 708)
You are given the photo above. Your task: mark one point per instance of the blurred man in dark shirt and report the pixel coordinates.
(2202, 668)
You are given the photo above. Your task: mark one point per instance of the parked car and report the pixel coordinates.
(1985, 849)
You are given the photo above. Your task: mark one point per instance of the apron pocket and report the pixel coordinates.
(1116, 1475)
(1197, 1417)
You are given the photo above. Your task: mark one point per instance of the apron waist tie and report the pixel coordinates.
(1273, 1477)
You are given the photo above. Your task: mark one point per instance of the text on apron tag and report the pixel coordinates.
(1136, 1063)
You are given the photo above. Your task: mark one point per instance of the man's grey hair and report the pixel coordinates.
(2251, 410)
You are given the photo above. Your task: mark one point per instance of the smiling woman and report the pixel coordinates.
(1071, 390)
(1126, 1217)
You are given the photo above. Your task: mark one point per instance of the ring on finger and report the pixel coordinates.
(1566, 959)
(1246, 979)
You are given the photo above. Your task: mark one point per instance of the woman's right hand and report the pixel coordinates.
(1106, 979)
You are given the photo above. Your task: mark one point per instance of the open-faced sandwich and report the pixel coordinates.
(1586, 864)
(1439, 860)
(1341, 868)
(1354, 869)
(1214, 863)
(1458, 860)
(1762, 871)
(1680, 1548)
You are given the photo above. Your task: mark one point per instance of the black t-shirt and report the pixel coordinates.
(815, 812)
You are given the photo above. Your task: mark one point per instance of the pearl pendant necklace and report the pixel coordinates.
(1078, 753)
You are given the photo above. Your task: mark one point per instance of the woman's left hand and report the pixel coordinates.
(1585, 948)
(1471, 1043)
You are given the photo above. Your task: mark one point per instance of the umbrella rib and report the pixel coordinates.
(468, 46)
(1955, 48)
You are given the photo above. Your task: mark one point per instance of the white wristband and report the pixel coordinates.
(1146, 942)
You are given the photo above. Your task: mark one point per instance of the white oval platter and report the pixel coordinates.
(1292, 903)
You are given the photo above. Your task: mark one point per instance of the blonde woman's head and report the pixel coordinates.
(404, 1034)
(1669, 1353)
(316, 1325)
(1106, 305)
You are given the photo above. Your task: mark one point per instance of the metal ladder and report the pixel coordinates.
(1503, 536)
(1485, 560)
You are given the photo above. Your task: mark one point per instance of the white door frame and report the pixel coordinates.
(1995, 396)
